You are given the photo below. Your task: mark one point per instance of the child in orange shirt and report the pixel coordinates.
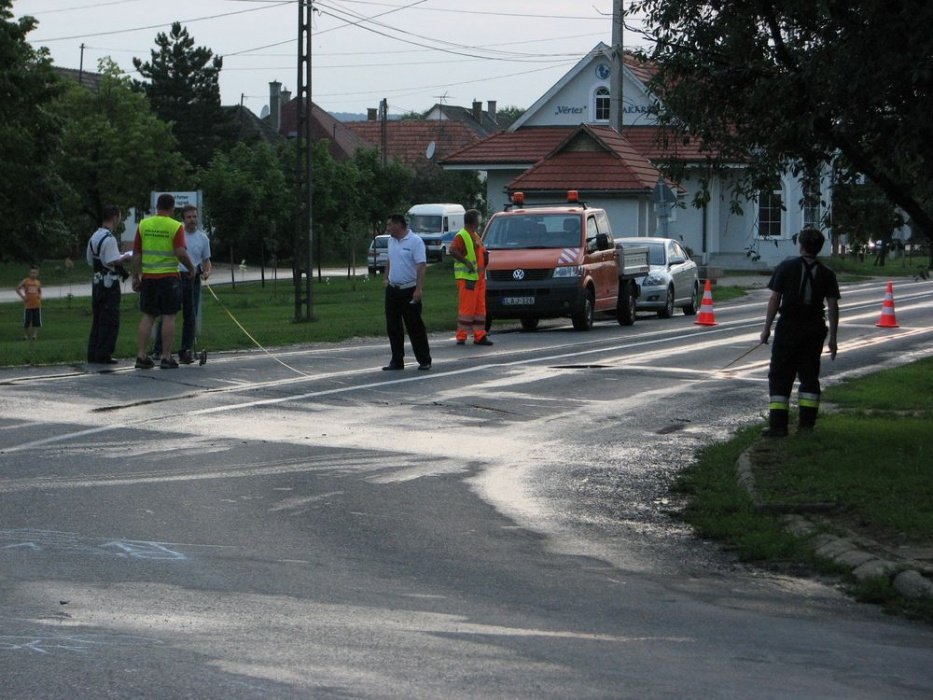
(30, 291)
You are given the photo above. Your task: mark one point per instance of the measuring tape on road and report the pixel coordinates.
(247, 333)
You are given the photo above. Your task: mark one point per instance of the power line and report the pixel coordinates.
(455, 49)
(400, 51)
(413, 90)
(161, 24)
(482, 12)
(80, 7)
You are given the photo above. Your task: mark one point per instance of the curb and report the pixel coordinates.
(847, 552)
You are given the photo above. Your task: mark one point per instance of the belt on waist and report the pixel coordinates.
(406, 285)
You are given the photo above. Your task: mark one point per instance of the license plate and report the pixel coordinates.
(518, 301)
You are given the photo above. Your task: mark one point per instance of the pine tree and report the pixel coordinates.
(183, 88)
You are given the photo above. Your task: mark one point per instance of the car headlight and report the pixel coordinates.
(654, 279)
(568, 271)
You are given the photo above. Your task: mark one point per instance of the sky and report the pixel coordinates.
(413, 53)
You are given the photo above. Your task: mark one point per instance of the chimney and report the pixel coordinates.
(372, 114)
(478, 110)
(286, 97)
(275, 104)
(492, 111)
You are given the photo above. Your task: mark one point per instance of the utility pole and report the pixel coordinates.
(81, 66)
(302, 264)
(615, 80)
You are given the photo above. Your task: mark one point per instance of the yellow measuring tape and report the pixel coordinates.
(247, 333)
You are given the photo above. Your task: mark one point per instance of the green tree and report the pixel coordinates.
(29, 139)
(383, 189)
(183, 87)
(431, 183)
(114, 149)
(248, 200)
(863, 213)
(507, 116)
(772, 82)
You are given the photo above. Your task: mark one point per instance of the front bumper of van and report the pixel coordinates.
(551, 298)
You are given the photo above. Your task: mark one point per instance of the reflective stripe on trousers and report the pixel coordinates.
(471, 312)
(779, 403)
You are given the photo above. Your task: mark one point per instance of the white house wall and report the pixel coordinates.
(730, 236)
(576, 103)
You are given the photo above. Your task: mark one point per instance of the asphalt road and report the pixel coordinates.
(305, 525)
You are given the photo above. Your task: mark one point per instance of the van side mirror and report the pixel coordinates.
(603, 242)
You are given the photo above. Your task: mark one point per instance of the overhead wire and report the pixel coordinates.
(162, 25)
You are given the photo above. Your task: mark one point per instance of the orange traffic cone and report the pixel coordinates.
(706, 317)
(888, 319)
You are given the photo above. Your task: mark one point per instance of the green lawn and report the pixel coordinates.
(342, 309)
(869, 461)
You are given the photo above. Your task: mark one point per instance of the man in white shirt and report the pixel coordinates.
(103, 254)
(199, 250)
(404, 285)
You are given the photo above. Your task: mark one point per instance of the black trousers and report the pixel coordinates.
(105, 326)
(190, 299)
(796, 352)
(401, 310)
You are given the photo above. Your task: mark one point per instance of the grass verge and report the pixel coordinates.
(868, 461)
(342, 308)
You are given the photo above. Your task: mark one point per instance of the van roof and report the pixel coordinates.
(547, 209)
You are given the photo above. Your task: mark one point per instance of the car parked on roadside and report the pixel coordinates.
(672, 281)
(378, 255)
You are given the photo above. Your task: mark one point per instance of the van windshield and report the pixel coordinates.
(533, 231)
(425, 223)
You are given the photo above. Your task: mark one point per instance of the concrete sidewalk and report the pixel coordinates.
(221, 276)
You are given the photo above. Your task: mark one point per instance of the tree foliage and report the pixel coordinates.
(248, 200)
(506, 116)
(431, 183)
(862, 213)
(183, 87)
(773, 82)
(114, 150)
(29, 139)
(383, 189)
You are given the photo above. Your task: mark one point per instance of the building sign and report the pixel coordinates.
(568, 109)
(603, 71)
(636, 109)
(182, 199)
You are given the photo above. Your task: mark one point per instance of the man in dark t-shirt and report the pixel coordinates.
(799, 287)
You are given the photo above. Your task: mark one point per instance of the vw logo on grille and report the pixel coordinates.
(518, 274)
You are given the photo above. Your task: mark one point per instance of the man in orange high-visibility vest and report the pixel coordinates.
(469, 256)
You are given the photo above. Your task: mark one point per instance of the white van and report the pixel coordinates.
(437, 224)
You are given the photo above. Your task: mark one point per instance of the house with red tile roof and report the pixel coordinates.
(282, 118)
(416, 141)
(564, 141)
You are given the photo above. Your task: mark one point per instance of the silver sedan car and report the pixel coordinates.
(672, 280)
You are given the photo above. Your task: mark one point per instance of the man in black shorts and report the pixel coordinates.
(157, 250)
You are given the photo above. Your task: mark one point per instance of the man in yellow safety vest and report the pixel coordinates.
(158, 248)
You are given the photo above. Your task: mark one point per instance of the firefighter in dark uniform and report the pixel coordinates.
(799, 287)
